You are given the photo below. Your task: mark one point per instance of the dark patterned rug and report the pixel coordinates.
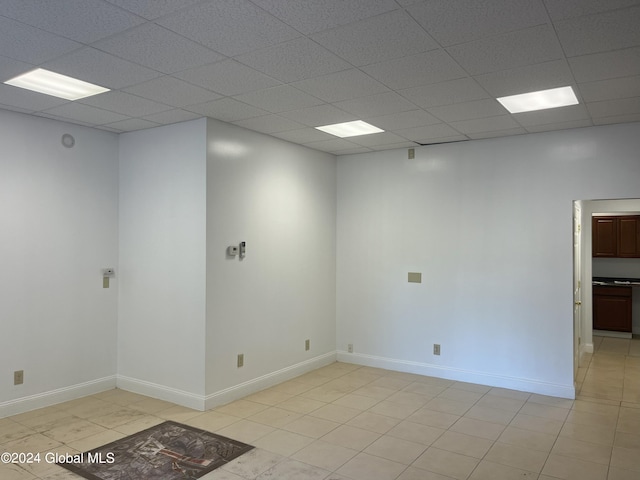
(169, 451)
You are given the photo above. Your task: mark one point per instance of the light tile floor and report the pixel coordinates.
(345, 422)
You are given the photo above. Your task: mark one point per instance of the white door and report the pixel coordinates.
(577, 294)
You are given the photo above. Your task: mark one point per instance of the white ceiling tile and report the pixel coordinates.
(269, 124)
(561, 9)
(390, 146)
(231, 27)
(172, 116)
(610, 89)
(353, 151)
(509, 50)
(553, 115)
(26, 99)
(617, 119)
(303, 135)
(600, 33)
(320, 115)
(468, 110)
(227, 110)
(85, 21)
(487, 124)
(294, 60)
(172, 91)
(497, 133)
(158, 48)
(600, 66)
(376, 105)
(610, 108)
(31, 45)
(377, 139)
(279, 99)
(125, 103)
(131, 125)
(228, 77)
(397, 121)
(18, 109)
(316, 15)
(559, 126)
(343, 85)
(530, 78)
(429, 132)
(332, 146)
(445, 93)
(10, 68)
(101, 68)
(458, 21)
(152, 9)
(421, 69)
(85, 113)
(390, 35)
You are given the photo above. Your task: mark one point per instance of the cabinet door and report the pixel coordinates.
(612, 311)
(605, 235)
(628, 238)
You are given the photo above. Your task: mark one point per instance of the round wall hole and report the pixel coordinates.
(68, 140)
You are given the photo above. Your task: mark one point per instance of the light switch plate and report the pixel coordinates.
(415, 277)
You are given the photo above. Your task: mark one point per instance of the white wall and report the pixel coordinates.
(58, 222)
(162, 274)
(489, 225)
(281, 199)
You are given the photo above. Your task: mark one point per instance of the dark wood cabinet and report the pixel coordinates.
(617, 236)
(605, 236)
(612, 308)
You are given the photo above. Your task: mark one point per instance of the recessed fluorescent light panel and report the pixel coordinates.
(350, 129)
(51, 83)
(529, 102)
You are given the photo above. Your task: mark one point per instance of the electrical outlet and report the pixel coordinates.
(436, 349)
(350, 348)
(240, 360)
(307, 344)
(18, 377)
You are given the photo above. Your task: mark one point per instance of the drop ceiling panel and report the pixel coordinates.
(30, 44)
(617, 119)
(227, 110)
(125, 103)
(151, 9)
(429, 133)
(231, 27)
(158, 48)
(332, 146)
(561, 9)
(468, 110)
(376, 105)
(481, 125)
(397, 121)
(85, 114)
(294, 60)
(530, 78)
(313, 16)
(497, 133)
(420, 69)
(343, 85)
(131, 125)
(559, 126)
(377, 139)
(27, 100)
(600, 66)
(553, 115)
(171, 116)
(85, 21)
(10, 68)
(610, 108)
(228, 78)
(279, 99)
(600, 33)
(269, 124)
(172, 91)
(101, 68)
(610, 89)
(445, 93)
(320, 115)
(451, 22)
(391, 35)
(524, 47)
(303, 135)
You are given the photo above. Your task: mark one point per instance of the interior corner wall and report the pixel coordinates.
(488, 223)
(280, 199)
(162, 271)
(59, 223)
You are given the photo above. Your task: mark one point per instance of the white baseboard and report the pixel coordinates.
(162, 392)
(265, 381)
(513, 383)
(53, 397)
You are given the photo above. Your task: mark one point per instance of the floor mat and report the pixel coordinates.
(169, 451)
